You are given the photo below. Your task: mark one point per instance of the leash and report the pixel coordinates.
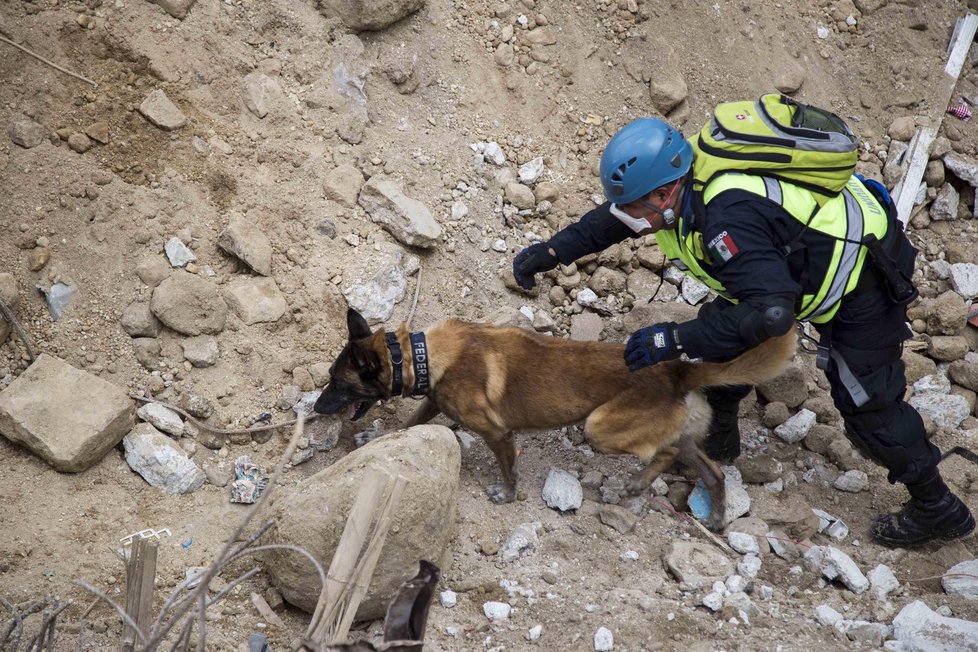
(221, 431)
(969, 455)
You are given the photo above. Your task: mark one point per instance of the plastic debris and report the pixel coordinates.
(699, 502)
(258, 643)
(58, 297)
(350, 85)
(250, 481)
(960, 111)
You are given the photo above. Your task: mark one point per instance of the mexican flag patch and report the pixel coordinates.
(722, 248)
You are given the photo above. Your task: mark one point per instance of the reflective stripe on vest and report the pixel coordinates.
(846, 218)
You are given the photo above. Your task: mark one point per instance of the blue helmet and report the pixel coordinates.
(645, 154)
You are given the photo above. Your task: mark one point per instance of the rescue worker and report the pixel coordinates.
(754, 241)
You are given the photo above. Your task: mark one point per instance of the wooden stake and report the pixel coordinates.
(919, 151)
(356, 557)
(140, 584)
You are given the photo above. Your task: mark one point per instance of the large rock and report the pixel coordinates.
(189, 305)
(246, 242)
(697, 564)
(646, 314)
(26, 133)
(964, 279)
(374, 290)
(161, 461)
(837, 565)
(66, 416)
(363, 15)
(667, 89)
(947, 314)
(314, 513)
(138, 321)
(964, 167)
(256, 299)
(176, 8)
(260, 93)
(962, 579)
(158, 109)
(917, 627)
(945, 410)
(342, 185)
(406, 219)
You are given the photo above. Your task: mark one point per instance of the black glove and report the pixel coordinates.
(533, 259)
(651, 345)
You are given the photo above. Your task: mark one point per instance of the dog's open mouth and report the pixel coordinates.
(357, 409)
(353, 409)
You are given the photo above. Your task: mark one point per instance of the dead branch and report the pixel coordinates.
(8, 314)
(161, 629)
(43, 60)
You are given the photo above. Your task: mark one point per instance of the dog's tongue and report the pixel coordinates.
(354, 406)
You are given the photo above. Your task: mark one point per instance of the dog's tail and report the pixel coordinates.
(756, 365)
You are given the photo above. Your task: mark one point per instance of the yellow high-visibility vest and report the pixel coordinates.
(845, 219)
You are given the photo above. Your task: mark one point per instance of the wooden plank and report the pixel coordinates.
(919, 152)
(140, 584)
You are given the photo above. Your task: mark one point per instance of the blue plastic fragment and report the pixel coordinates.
(258, 642)
(699, 501)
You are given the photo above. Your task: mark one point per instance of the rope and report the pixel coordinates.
(222, 431)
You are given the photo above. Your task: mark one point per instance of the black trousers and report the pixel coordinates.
(868, 331)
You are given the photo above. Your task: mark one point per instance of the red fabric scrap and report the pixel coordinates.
(960, 111)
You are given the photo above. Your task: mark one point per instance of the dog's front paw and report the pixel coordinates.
(499, 493)
(715, 521)
(365, 437)
(636, 485)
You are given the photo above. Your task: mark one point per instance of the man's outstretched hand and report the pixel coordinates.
(652, 345)
(535, 258)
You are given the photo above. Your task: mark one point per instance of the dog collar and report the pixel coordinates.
(397, 380)
(419, 358)
(419, 361)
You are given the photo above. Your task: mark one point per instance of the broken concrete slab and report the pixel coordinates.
(918, 627)
(161, 461)
(407, 219)
(256, 300)
(66, 416)
(246, 242)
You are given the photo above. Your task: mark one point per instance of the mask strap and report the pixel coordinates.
(668, 215)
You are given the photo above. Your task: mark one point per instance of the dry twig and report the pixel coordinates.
(8, 314)
(43, 60)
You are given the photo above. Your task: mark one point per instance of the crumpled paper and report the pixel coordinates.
(250, 481)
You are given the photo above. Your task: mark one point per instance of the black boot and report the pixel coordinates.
(723, 441)
(932, 513)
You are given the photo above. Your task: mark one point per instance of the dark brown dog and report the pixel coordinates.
(495, 381)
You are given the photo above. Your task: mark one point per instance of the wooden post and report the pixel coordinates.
(140, 584)
(919, 151)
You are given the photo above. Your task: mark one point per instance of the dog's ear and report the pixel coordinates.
(357, 325)
(364, 359)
